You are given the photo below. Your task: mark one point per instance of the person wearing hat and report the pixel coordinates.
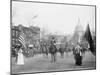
(16, 54)
(20, 60)
(78, 55)
(53, 50)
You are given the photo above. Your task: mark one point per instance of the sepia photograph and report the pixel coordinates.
(52, 37)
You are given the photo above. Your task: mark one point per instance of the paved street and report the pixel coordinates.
(41, 63)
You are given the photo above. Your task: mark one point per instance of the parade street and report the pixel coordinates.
(42, 63)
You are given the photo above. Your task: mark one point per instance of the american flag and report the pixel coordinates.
(21, 39)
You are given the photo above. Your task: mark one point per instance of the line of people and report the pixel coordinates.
(78, 52)
(52, 49)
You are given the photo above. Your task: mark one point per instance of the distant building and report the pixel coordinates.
(31, 33)
(77, 36)
(15, 32)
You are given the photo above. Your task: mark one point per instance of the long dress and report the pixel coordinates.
(20, 60)
(78, 56)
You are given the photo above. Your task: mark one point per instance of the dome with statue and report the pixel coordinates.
(78, 32)
(79, 27)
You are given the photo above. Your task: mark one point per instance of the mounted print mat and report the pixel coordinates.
(52, 37)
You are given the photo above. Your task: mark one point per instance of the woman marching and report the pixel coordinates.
(78, 55)
(20, 58)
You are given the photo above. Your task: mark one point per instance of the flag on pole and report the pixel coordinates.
(88, 37)
(21, 39)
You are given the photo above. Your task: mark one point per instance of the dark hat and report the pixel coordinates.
(53, 38)
(18, 45)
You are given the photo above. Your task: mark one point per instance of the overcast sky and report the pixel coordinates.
(53, 17)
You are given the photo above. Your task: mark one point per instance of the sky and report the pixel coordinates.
(54, 18)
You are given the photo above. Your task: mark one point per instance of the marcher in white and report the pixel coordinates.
(20, 60)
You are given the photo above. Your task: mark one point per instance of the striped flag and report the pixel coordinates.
(21, 39)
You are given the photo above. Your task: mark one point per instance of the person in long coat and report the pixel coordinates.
(78, 55)
(20, 60)
(16, 54)
(61, 50)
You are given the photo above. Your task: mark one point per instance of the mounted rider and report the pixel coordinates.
(53, 49)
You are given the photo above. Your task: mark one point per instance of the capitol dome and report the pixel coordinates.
(79, 27)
